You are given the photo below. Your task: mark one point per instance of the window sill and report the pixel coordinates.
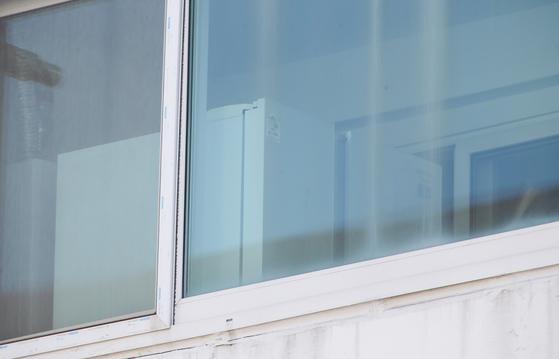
(457, 263)
(431, 268)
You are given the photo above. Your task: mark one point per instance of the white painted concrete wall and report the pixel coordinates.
(513, 316)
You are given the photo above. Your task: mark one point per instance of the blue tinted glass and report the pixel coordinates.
(327, 133)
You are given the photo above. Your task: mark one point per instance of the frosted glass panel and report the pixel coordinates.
(79, 163)
(365, 129)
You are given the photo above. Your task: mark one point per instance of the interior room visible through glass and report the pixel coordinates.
(331, 132)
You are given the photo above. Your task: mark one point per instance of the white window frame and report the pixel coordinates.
(140, 322)
(466, 261)
(461, 262)
(444, 265)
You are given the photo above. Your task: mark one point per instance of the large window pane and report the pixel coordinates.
(326, 133)
(79, 166)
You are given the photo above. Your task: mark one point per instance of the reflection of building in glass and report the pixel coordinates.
(79, 159)
(339, 179)
(29, 172)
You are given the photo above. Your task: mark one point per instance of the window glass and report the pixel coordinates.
(326, 133)
(79, 163)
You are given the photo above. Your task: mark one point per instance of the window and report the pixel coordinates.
(331, 153)
(326, 134)
(88, 154)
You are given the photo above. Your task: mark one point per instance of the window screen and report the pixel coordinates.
(79, 163)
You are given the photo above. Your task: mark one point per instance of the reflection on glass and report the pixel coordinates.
(515, 186)
(80, 112)
(331, 133)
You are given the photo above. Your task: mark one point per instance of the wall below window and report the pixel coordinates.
(512, 316)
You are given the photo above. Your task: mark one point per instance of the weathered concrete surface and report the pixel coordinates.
(516, 320)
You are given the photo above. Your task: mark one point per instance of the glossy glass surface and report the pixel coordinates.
(79, 168)
(332, 132)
